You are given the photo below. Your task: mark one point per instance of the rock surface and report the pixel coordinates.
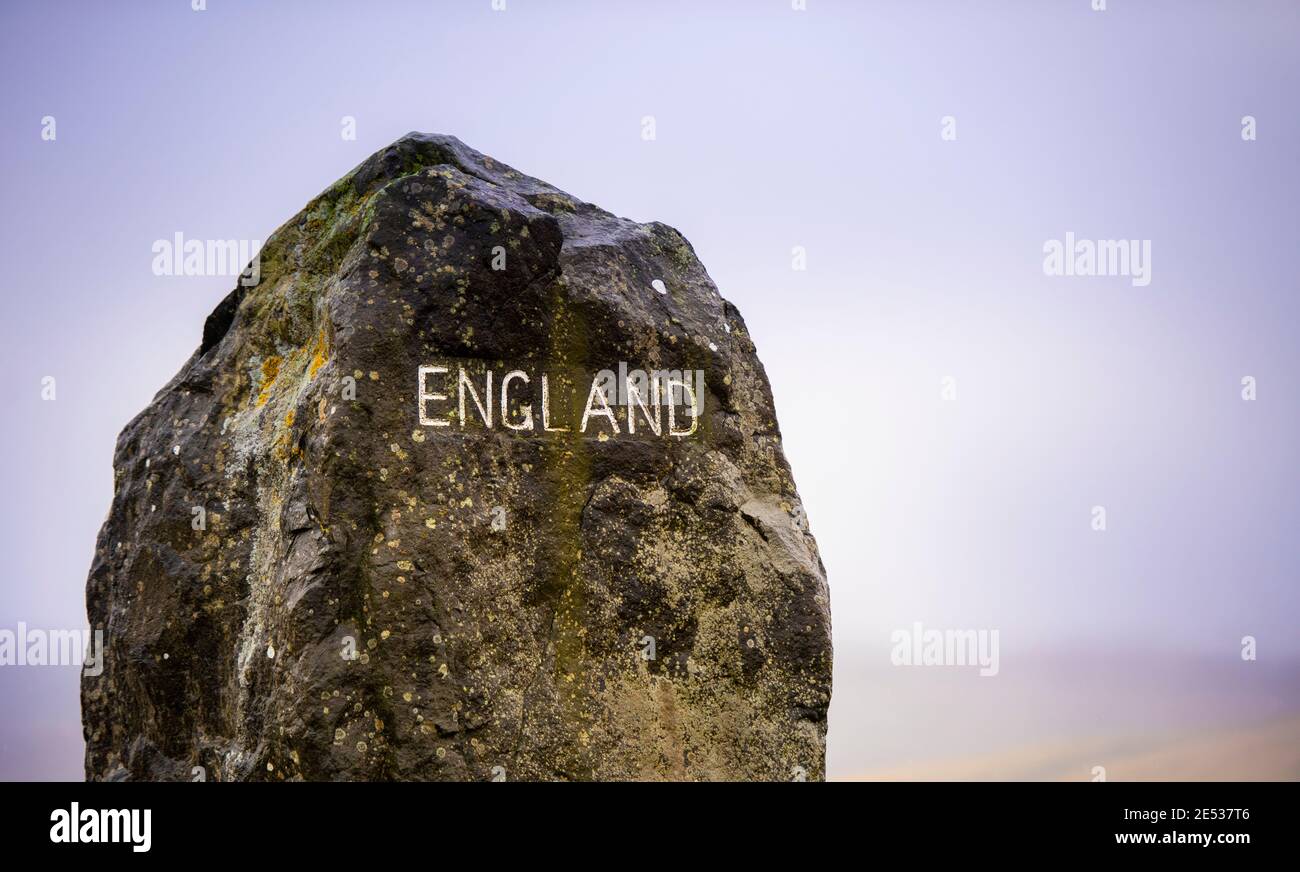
(301, 579)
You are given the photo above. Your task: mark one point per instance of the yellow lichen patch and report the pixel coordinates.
(320, 351)
(270, 369)
(282, 446)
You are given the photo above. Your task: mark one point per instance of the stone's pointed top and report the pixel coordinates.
(428, 137)
(416, 151)
(421, 555)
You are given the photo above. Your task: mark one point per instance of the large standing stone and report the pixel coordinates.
(303, 577)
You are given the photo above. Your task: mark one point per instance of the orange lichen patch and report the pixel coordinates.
(285, 447)
(270, 369)
(320, 351)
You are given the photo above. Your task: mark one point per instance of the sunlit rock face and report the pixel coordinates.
(478, 481)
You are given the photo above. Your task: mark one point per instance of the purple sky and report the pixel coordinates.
(775, 128)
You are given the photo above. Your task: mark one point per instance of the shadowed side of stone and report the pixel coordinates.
(391, 521)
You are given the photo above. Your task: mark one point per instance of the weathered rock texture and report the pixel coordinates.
(369, 598)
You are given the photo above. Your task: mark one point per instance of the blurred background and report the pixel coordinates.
(952, 414)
